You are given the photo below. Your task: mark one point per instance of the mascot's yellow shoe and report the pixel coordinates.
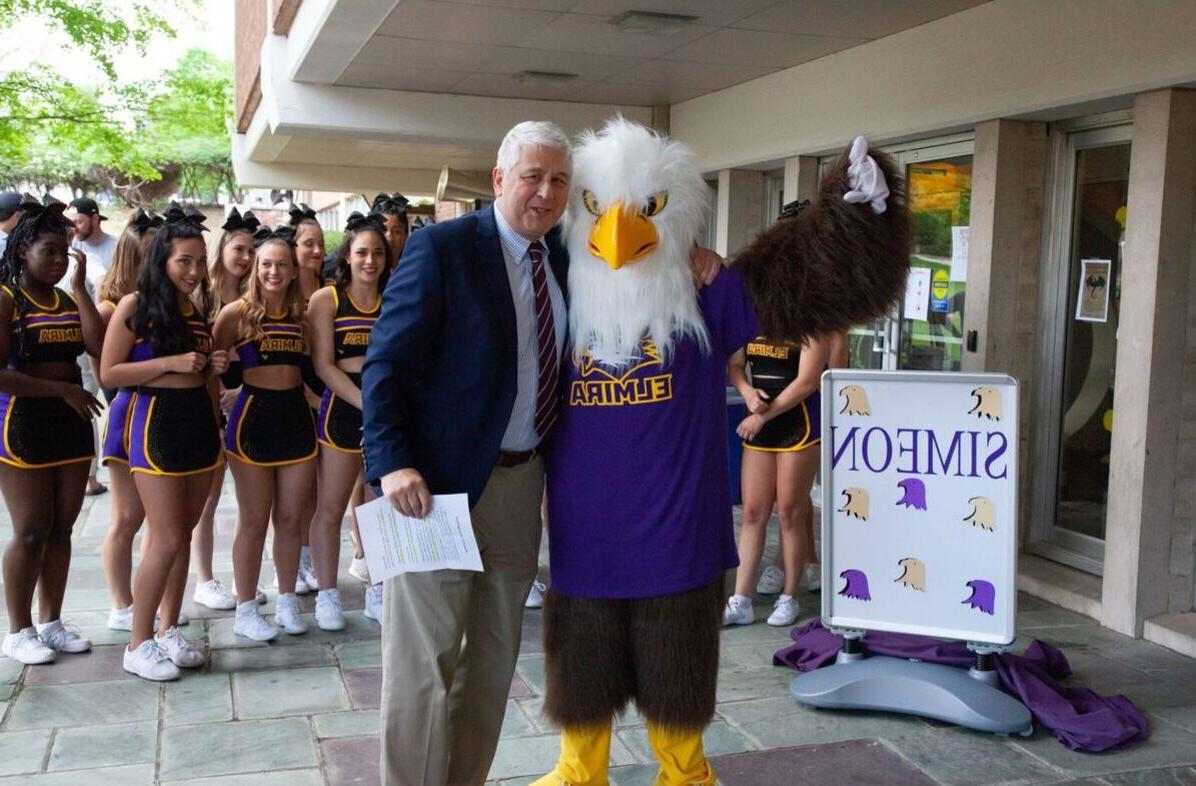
(682, 760)
(585, 758)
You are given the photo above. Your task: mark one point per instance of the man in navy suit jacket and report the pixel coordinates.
(460, 387)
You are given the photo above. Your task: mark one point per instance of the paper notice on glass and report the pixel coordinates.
(1092, 304)
(917, 293)
(959, 253)
(395, 544)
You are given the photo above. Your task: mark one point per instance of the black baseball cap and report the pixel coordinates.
(87, 206)
(10, 202)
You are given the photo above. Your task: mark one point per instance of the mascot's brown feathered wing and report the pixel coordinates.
(640, 526)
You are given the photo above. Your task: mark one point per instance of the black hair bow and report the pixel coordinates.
(357, 221)
(791, 209)
(241, 222)
(189, 214)
(301, 212)
(390, 203)
(47, 210)
(146, 218)
(283, 232)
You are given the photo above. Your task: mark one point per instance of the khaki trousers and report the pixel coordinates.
(450, 639)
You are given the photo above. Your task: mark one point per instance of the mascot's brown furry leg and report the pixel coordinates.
(661, 651)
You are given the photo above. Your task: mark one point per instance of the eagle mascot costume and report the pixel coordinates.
(639, 514)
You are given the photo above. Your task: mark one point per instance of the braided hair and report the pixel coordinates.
(38, 219)
(158, 318)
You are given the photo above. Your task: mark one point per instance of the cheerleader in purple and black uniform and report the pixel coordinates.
(47, 443)
(159, 343)
(340, 319)
(270, 436)
(127, 513)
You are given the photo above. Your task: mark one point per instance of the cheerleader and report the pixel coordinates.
(309, 250)
(393, 209)
(234, 257)
(783, 423)
(48, 443)
(159, 343)
(340, 319)
(270, 436)
(116, 552)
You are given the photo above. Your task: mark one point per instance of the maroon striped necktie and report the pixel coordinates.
(546, 388)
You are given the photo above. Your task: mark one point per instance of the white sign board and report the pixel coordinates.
(919, 503)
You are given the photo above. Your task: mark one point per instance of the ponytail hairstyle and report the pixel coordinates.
(158, 319)
(253, 310)
(356, 226)
(38, 219)
(121, 278)
(236, 223)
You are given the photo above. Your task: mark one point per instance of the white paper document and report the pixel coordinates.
(396, 544)
(959, 253)
(917, 293)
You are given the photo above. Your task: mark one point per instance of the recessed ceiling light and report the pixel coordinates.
(651, 22)
(544, 76)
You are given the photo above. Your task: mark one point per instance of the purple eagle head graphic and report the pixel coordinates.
(983, 596)
(856, 586)
(915, 493)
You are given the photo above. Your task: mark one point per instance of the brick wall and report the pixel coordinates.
(250, 31)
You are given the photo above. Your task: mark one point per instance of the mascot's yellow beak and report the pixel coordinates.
(622, 235)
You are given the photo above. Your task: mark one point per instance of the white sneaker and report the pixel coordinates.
(359, 570)
(213, 595)
(330, 614)
(784, 611)
(535, 597)
(286, 614)
(813, 578)
(250, 623)
(373, 602)
(307, 575)
(25, 647)
(63, 638)
(772, 580)
(121, 619)
(149, 662)
(181, 652)
(301, 587)
(739, 611)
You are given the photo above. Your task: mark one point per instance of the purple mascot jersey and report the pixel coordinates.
(638, 503)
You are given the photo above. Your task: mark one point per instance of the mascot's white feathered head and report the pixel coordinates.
(637, 206)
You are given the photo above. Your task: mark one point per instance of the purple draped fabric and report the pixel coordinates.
(1080, 718)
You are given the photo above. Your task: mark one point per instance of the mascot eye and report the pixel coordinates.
(591, 202)
(656, 203)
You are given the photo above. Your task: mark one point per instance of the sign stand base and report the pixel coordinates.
(930, 690)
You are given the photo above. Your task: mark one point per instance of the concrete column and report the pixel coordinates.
(660, 118)
(1147, 393)
(801, 178)
(1008, 174)
(740, 209)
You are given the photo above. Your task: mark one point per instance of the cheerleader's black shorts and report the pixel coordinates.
(270, 428)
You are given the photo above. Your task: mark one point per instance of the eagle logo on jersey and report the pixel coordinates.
(599, 386)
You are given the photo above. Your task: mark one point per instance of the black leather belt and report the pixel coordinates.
(513, 458)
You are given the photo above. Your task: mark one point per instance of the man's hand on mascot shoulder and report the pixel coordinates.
(706, 265)
(408, 492)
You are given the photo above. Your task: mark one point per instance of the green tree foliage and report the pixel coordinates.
(144, 140)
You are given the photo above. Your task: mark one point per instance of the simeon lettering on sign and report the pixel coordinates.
(920, 451)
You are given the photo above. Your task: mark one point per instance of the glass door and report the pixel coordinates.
(1087, 236)
(924, 331)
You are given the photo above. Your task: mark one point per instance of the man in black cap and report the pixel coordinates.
(10, 214)
(90, 237)
(99, 247)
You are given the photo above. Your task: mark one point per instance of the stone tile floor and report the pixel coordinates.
(303, 711)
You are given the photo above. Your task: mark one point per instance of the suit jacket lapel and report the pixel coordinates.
(490, 267)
